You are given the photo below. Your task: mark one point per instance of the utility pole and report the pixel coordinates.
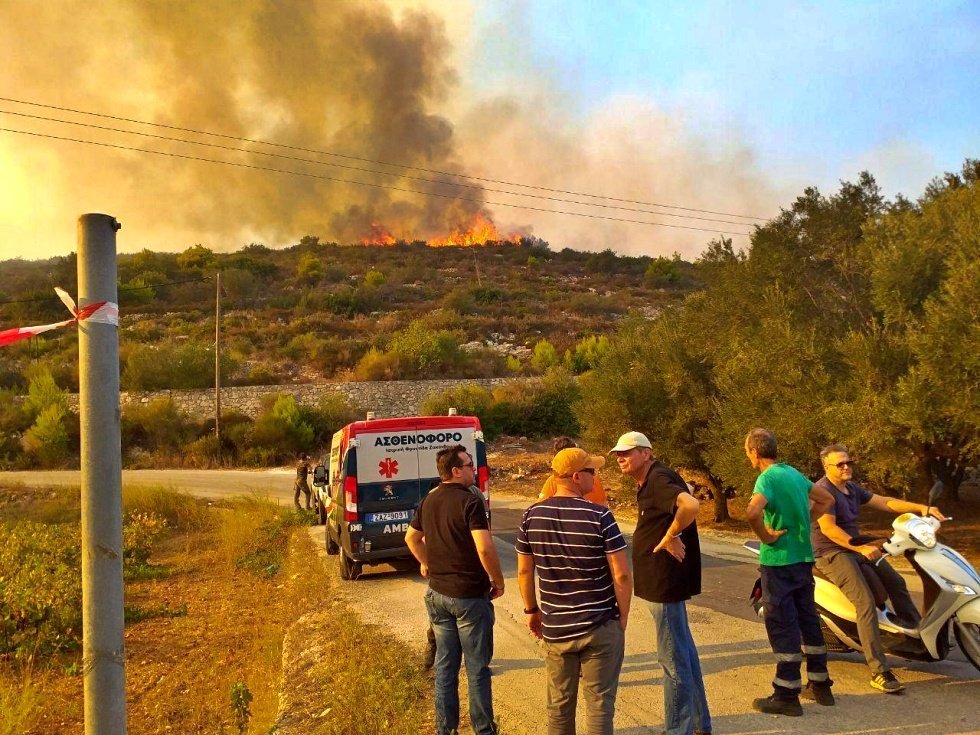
(103, 644)
(217, 362)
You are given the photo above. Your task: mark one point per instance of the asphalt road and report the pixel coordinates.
(735, 656)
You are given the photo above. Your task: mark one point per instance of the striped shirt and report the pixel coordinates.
(568, 538)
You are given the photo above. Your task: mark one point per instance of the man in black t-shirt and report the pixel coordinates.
(450, 536)
(667, 573)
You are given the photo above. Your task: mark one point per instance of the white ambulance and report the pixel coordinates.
(379, 471)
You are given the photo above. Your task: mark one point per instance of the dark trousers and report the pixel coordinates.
(866, 584)
(301, 486)
(793, 627)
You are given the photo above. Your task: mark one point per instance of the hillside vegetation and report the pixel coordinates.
(848, 318)
(321, 311)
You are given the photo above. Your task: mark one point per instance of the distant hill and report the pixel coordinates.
(321, 311)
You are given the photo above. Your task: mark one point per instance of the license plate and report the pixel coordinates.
(387, 517)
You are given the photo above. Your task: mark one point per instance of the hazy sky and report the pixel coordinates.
(732, 107)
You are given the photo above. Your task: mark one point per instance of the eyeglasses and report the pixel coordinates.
(468, 464)
(846, 463)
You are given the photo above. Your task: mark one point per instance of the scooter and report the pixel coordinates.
(951, 591)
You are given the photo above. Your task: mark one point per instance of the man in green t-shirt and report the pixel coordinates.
(783, 504)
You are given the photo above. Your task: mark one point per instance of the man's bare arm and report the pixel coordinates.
(898, 506)
(622, 582)
(415, 540)
(489, 560)
(753, 514)
(525, 584)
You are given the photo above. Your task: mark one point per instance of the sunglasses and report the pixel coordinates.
(847, 463)
(589, 470)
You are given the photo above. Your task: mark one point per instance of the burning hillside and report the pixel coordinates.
(480, 231)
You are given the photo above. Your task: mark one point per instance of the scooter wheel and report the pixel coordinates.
(968, 639)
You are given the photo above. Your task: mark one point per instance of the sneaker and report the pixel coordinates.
(819, 693)
(887, 683)
(774, 705)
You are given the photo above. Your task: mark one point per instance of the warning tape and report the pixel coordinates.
(101, 312)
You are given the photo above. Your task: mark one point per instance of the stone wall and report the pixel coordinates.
(387, 399)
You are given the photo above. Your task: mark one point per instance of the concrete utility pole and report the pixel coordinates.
(217, 362)
(103, 647)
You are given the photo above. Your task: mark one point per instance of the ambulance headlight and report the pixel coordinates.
(962, 589)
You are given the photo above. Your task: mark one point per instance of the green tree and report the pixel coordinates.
(196, 257)
(545, 356)
(309, 270)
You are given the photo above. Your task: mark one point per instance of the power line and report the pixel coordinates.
(367, 183)
(382, 163)
(370, 171)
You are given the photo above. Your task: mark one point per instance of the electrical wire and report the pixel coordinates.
(382, 163)
(370, 184)
(479, 187)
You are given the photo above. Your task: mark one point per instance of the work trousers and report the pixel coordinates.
(865, 584)
(597, 657)
(793, 627)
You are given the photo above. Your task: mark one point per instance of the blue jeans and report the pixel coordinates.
(464, 633)
(685, 705)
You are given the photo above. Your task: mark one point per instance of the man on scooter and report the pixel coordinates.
(860, 570)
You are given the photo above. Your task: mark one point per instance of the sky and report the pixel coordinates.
(726, 109)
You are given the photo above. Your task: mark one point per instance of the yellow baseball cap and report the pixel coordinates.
(569, 461)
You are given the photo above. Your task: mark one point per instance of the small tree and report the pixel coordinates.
(545, 356)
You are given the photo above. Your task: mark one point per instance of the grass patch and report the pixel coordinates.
(20, 702)
(365, 680)
(138, 614)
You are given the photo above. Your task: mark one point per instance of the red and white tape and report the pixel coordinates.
(102, 312)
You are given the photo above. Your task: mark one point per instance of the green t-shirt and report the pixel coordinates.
(787, 494)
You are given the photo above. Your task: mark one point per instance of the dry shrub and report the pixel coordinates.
(253, 534)
(20, 703)
(182, 511)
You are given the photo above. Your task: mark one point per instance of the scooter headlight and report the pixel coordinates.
(922, 533)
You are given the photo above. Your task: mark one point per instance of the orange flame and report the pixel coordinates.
(378, 235)
(481, 231)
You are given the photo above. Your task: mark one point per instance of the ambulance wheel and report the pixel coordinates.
(349, 569)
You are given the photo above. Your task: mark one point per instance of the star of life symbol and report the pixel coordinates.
(388, 467)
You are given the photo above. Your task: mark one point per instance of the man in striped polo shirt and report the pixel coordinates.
(579, 555)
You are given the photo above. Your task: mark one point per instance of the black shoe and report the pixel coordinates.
(429, 657)
(887, 683)
(819, 692)
(778, 706)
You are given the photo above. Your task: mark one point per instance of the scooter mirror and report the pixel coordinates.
(936, 492)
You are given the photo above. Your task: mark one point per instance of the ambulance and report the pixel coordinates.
(377, 474)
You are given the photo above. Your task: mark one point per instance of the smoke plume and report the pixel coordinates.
(353, 77)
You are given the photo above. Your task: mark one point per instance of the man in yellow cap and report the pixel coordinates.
(579, 555)
(596, 495)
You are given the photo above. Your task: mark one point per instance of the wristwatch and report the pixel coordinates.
(531, 610)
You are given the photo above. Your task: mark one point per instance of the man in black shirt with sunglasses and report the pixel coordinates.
(854, 568)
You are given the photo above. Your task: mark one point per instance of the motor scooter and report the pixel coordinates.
(951, 596)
